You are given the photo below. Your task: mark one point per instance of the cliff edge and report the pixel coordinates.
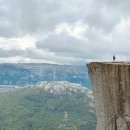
(111, 89)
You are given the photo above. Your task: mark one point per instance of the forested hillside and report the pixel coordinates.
(47, 106)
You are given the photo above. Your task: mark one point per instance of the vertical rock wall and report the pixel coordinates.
(111, 89)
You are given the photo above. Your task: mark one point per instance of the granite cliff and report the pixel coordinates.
(111, 89)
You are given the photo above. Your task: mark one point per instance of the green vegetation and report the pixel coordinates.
(33, 108)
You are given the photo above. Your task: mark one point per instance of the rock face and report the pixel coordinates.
(111, 89)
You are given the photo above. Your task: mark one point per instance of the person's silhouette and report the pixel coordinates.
(114, 58)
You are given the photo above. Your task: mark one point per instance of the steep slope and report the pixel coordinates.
(22, 74)
(48, 106)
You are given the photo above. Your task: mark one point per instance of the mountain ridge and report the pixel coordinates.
(22, 74)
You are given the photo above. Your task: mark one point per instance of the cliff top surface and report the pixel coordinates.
(112, 63)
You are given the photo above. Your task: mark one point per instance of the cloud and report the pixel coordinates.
(64, 31)
(10, 53)
(68, 46)
(23, 17)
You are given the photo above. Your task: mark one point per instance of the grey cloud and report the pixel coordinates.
(65, 45)
(42, 16)
(39, 17)
(103, 19)
(120, 7)
(11, 53)
(60, 43)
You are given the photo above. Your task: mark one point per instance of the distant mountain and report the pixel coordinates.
(48, 106)
(23, 74)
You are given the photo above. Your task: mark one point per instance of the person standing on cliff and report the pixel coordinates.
(114, 58)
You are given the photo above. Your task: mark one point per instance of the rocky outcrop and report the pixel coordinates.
(111, 89)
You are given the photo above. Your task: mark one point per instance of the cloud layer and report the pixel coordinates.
(64, 32)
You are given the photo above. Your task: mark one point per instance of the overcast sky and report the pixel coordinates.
(64, 31)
